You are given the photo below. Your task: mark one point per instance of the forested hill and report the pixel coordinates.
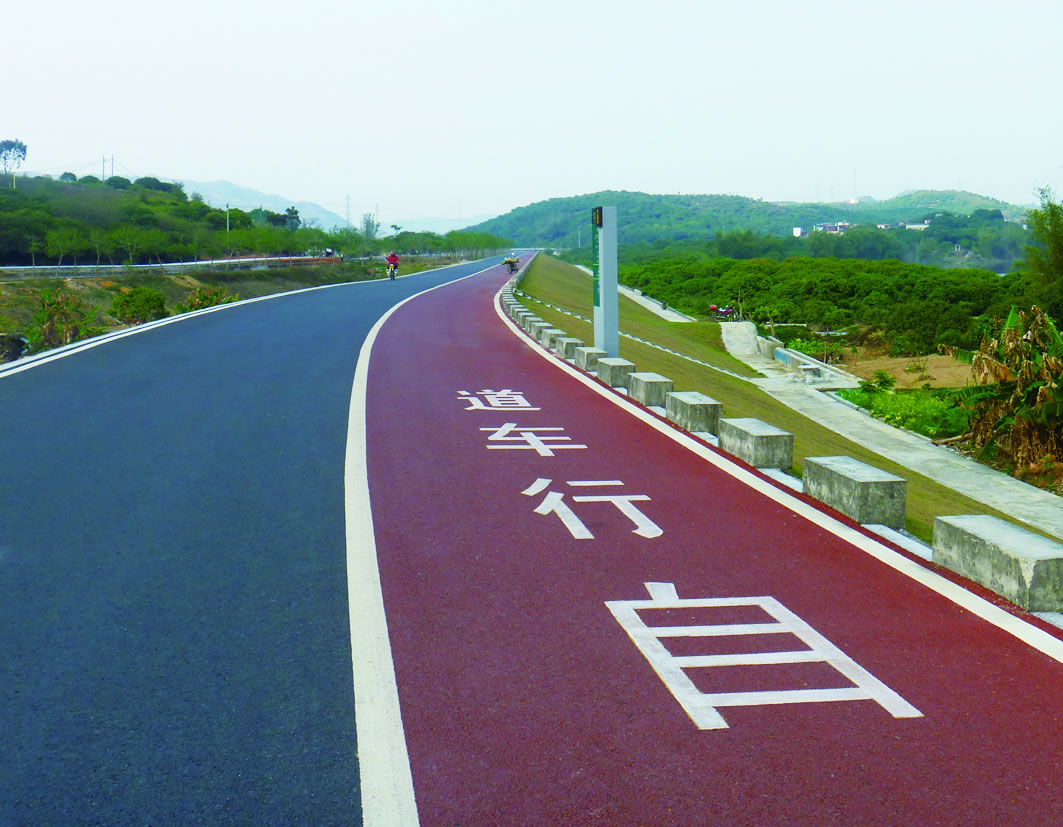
(644, 218)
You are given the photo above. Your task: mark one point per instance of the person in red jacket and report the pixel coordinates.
(393, 264)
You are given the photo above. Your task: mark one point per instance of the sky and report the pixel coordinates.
(413, 109)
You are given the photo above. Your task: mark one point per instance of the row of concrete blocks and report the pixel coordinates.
(1011, 561)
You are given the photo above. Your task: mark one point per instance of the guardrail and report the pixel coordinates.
(81, 271)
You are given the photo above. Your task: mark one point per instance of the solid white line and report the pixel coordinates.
(1031, 635)
(383, 762)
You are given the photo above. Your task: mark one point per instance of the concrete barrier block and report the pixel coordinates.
(693, 411)
(536, 327)
(758, 443)
(614, 371)
(858, 490)
(566, 346)
(649, 388)
(550, 335)
(587, 358)
(1024, 567)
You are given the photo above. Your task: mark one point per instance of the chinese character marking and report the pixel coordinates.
(503, 400)
(531, 440)
(554, 503)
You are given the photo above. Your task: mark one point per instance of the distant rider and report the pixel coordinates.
(393, 263)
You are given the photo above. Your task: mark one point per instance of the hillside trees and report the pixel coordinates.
(151, 221)
(1044, 256)
(919, 307)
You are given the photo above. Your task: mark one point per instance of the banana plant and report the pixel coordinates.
(1017, 401)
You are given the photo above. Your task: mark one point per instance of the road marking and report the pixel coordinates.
(1031, 635)
(702, 707)
(383, 761)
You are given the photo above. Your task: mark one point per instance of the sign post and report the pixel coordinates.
(606, 302)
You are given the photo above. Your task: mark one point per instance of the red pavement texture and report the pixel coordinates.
(525, 702)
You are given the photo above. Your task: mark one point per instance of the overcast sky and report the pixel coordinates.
(474, 107)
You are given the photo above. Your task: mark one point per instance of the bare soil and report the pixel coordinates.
(936, 370)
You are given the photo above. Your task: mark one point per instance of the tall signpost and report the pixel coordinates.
(606, 303)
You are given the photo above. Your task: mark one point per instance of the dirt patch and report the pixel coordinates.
(937, 371)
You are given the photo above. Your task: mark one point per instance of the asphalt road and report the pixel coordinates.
(174, 632)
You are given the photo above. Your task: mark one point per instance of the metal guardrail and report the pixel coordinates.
(92, 270)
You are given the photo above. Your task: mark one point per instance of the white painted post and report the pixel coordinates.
(606, 301)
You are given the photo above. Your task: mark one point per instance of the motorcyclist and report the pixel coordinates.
(393, 263)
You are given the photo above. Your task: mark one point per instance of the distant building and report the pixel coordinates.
(919, 227)
(837, 228)
(798, 232)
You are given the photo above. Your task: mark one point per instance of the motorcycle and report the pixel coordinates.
(722, 314)
(393, 270)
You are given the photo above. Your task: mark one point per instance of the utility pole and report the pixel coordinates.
(103, 168)
(348, 212)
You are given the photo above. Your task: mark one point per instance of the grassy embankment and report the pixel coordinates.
(19, 298)
(560, 284)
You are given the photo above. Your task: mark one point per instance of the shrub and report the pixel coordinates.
(883, 380)
(205, 296)
(139, 305)
(936, 414)
(829, 352)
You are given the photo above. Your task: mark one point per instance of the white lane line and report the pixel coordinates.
(1031, 635)
(383, 762)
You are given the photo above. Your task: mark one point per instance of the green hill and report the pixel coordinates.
(647, 218)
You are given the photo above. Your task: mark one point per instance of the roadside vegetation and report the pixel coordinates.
(88, 222)
(49, 312)
(66, 230)
(551, 283)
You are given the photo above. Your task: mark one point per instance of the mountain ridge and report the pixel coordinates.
(648, 217)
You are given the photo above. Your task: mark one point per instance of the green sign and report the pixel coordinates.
(596, 222)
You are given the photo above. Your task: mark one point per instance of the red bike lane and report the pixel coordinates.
(528, 530)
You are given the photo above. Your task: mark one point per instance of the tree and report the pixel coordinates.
(64, 240)
(68, 177)
(99, 242)
(370, 226)
(12, 154)
(35, 246)
(129, 238)
(1044, 257)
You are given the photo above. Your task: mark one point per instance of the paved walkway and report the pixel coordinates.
(1022, 501)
